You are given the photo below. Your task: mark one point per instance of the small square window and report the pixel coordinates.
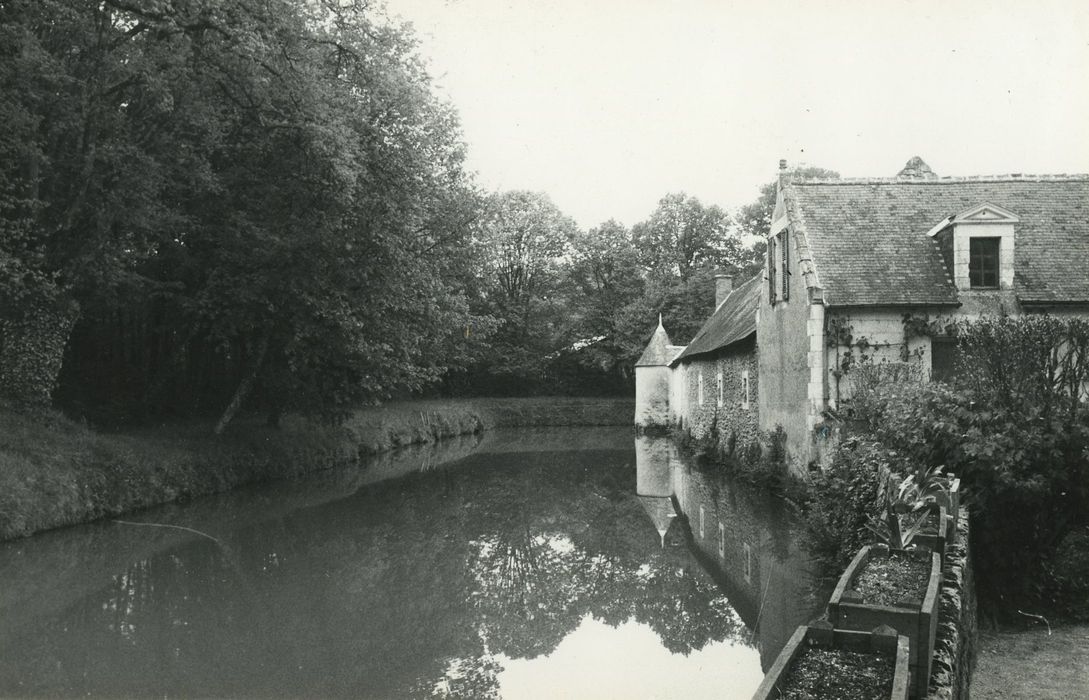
(983, 263)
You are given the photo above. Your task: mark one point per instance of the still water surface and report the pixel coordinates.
(518, 564)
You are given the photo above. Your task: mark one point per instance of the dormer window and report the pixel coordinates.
(977, 246)
(983, 265)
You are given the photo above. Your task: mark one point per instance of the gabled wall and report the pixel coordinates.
(792, 347)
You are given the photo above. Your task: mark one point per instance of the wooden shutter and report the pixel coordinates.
(786, 264)
(771, 269)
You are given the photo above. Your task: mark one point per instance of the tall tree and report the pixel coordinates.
(256, 198)
(683, 234)
(522, 243)
(604, 277)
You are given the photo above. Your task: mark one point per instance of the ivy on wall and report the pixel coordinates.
(925, 327)
(856, 356)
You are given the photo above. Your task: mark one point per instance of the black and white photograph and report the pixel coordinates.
(544, 349)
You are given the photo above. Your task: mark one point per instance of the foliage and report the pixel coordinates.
(1015, 432)
(252, 202)
(31, 351)
(683, 235)
(1068, 571)
(907, 503)
(845, 497)
(1035, 362)
(604, 282)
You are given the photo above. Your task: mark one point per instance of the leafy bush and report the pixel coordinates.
(1015, 429)
(1069, 573)
(844, 498)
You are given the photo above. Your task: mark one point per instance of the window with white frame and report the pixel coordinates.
(745, 390)
(718, 381)
(721, 541)
(699, 388)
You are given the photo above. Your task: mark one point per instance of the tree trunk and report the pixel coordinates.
(244, 387)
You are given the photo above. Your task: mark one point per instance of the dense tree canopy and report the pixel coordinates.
(208, 205)
(253, 198)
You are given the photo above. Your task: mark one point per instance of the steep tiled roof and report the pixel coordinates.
(658, 352)
(869, 244)
(733, 320)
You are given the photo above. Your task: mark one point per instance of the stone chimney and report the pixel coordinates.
(916, 169)
(724, 284)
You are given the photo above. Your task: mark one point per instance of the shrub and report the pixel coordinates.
(1015, 429)
(844, 497)
(1069, 573)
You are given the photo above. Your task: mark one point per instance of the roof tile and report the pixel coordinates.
(869, 242)
(733, 320)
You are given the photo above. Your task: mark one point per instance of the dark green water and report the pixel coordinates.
(525, 564)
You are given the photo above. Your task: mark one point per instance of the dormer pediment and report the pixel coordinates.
(986, 213)
(980, 214)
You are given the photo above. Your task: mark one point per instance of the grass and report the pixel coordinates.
(1033, 664)
(56, 472)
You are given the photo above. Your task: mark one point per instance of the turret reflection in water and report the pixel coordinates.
(520, 572)
(653, 484)
(748, 541)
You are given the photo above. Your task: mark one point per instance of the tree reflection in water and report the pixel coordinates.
(422, 586)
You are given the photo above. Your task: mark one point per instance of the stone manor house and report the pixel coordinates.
(864, 276)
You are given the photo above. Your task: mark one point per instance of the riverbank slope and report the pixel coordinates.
(56, 472)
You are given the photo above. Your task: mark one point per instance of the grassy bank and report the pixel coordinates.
(55, 472)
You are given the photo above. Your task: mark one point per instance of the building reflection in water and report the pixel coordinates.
(747, 540)
(654, 485)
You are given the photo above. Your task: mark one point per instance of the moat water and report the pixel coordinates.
(518, 564)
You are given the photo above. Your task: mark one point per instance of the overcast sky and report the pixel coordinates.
(607, 105)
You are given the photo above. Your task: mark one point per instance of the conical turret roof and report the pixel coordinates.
(661, 513)
(658, 353)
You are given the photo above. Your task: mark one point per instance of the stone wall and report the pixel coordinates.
(734, 421)
(958, 627)
(876, 338)
(783, 332)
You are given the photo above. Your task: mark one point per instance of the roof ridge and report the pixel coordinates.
(1009, 177)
